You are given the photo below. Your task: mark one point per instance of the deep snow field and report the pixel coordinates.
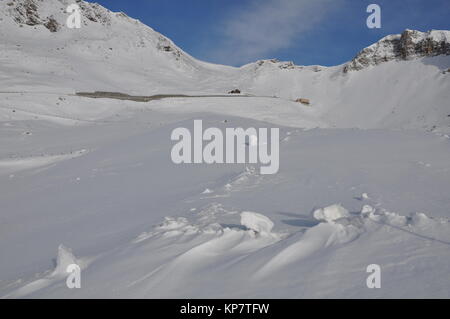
(141, 226)
(364, 171)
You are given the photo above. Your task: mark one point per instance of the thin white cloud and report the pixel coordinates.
(266, 26)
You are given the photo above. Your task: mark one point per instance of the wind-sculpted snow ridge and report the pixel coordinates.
(196, 259)
(233, 232)
(64, 259)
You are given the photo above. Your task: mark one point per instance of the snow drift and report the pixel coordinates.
(376, 125)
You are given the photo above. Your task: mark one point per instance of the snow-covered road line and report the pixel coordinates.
(155, 97)
(144, 98)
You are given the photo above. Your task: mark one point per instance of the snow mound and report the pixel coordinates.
(207, 191)
(256, 222)
(184, 262)
(367, 209)
(64, 259)
(331, 213)
(302, 246)
(420, 219)
(414, 222)
(365, 196)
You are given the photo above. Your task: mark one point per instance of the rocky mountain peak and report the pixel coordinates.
(51, 13)
(48, 17)
(408, 45)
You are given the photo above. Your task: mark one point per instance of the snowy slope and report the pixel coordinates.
(364, 169)
(112, 52)
(141, 226)
(109, 52)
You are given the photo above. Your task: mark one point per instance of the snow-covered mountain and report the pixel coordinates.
(113, 52)
(364, 169)
(409, 45)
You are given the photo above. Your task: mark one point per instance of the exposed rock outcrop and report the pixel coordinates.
(25, 12)
(33, 13)
(410, 44)
(166, 45)
(303, 101)
(289, 65)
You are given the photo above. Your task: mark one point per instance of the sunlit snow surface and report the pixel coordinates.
(364, 173)
(145, 227)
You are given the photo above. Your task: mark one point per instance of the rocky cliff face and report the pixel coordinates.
(51, 14)
(26, 12)
(410, 44)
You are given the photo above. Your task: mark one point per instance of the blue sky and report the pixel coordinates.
(235, 32)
